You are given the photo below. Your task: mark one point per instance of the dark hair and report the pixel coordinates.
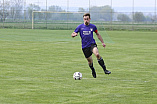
(87, 14)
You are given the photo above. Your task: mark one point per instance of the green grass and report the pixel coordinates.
(71, 25)
(36, 67)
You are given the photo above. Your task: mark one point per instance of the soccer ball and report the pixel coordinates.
(77, 76)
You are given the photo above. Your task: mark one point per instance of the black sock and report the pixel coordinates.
(91, 66)
(101, 63)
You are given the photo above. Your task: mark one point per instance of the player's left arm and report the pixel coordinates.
(100, 38)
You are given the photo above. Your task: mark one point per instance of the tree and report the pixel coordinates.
(139, 17)
(81, 10)
(31, 8)
(56, 16)
(154, 18)
(103, 13)
(123, 17)
(54, 8)
(4, 10)
(16, 9)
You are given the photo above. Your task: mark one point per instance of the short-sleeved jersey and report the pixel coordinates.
(86, 34)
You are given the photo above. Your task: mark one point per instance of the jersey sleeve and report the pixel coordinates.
(77, 29)
(95, 29)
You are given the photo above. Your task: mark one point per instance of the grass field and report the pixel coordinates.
(71, 25)
(36, 67)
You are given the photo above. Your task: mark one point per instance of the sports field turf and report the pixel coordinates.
(36, 67)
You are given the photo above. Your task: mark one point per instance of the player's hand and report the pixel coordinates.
(74, 34)
(104, 45)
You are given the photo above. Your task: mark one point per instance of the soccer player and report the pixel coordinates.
(89, 45)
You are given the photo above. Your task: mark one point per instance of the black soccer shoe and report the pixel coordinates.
(107, 72)
(94, 74)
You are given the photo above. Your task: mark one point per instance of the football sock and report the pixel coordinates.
(93, 70)
(91, 66)
(101, 63)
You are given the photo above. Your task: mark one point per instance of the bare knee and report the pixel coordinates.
(97, 55)
(90, 60)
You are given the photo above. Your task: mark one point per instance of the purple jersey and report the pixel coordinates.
(86, 34)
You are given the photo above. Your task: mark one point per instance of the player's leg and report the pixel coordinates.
(88, 54)
(100, 60)
(90, 63)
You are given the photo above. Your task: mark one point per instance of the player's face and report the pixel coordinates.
(86, 20)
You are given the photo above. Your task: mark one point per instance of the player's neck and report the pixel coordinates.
(86, 24)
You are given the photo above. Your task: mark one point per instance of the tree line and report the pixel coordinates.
(15, 11)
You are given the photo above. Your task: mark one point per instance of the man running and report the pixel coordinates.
(89, 45)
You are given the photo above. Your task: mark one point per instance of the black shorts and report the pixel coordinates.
(89, 51)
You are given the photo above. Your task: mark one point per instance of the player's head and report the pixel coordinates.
(86, 18)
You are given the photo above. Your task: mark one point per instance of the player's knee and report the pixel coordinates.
(90, 62)
(97, 55)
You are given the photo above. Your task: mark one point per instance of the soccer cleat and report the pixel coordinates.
(107, 72)
(94, 74)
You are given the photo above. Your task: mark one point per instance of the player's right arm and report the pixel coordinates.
(77, 30)
(74, 34)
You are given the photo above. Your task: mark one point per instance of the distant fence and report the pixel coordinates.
(67, 14)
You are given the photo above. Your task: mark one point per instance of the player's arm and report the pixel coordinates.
(100, 38)
(74, 34)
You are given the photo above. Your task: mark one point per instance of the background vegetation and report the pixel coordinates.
(15, 14)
